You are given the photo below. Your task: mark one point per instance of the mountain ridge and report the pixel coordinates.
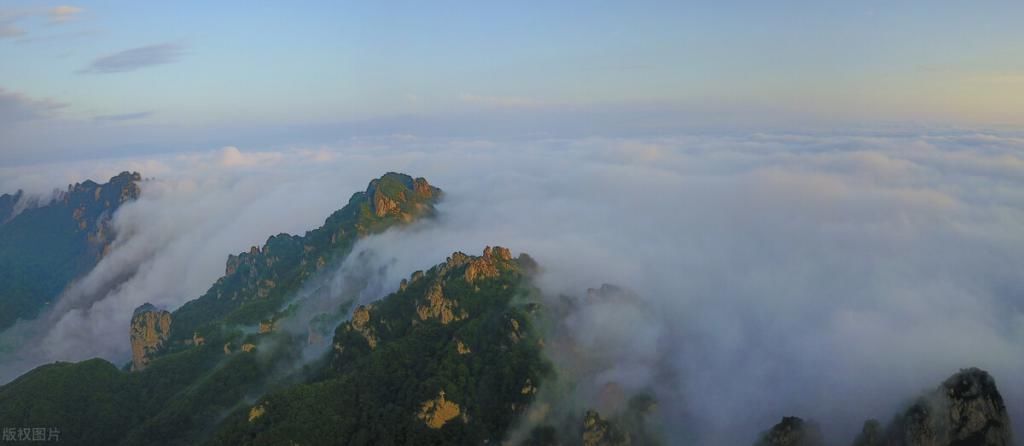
(44, 247)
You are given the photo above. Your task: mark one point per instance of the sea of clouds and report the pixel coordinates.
(821, 275)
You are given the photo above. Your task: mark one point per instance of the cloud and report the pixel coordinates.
(16, 107)
(136, 58)
(9, 19)
(9, 30)
(231, 156)
(124, 116)
(827, 276)
(64, 13)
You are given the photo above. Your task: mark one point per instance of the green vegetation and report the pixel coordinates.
(453, 357)
(257, 284)
(187, 389)
(471, 340)
(43, 249)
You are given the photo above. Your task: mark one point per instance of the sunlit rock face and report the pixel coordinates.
(150, 328)
(438, 411)
(399, 196)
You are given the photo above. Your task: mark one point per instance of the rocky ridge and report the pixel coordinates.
(44, 246)
(966, 409)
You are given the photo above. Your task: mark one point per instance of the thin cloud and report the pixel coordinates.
(123, 116)
(9, 19)
(16, 107)
(136, 58)
(64, 13)
(8, 30)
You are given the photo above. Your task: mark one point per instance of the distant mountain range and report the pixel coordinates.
(275, 353)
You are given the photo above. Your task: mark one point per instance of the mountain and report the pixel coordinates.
(965, 410)
(451, 358)
(286, 348)
(43, 248)
(197, 363)
(257, 283)
(9, 205)
(792, 431)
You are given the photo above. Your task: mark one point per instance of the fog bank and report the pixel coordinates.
(830, 277)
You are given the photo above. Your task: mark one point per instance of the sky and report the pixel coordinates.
(816, 205)
(104, 78)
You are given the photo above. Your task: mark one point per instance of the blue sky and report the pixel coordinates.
(82, 78)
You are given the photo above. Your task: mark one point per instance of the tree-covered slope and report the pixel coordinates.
(44, 248)
(451, 358)
(256, 283)
(180, 392)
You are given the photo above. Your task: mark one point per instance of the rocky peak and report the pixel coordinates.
(792, 431)
(120, 189)
(435, 305)
(396, 194)
(149, 329)
(487, 265)
(965, 409)
(126, 183)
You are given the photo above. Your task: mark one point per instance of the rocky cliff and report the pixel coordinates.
(150, 328)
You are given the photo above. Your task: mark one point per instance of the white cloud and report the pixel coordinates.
(830, 277)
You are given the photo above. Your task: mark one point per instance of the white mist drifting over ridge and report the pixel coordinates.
(829, 277)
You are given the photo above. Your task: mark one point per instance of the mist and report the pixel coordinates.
(831, 277)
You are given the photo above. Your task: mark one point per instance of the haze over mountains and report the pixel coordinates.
(830, 278)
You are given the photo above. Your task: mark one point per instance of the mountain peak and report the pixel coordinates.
(397, 194)
(126, 177)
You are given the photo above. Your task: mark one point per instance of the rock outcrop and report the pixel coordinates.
(391, 195)
(438, 411)
(792, 431)
(966, 409)
(487, 265)
(150, 328)
(361, 324)
(256, 412)
(436, 306)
